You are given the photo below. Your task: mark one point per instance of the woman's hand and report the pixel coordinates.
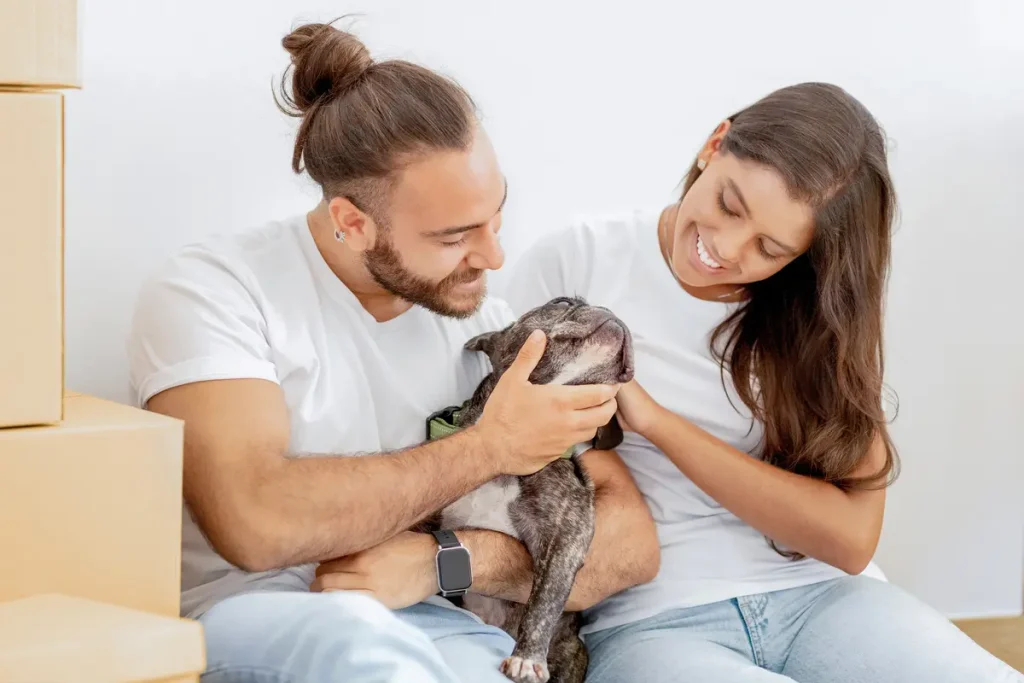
(637, 411)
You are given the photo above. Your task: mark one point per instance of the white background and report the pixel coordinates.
(599, 106)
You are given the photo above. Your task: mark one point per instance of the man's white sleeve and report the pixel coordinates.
(199, 319)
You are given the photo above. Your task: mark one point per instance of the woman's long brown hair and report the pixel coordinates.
(805, 349)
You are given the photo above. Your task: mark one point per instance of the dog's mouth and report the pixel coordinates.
(601, 350)
(612, 336)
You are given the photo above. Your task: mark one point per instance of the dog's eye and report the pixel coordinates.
(562, 301)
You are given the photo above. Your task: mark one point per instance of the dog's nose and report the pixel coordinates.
(598, 314)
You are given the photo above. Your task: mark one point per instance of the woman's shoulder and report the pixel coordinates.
(564, 261)
(616, 233)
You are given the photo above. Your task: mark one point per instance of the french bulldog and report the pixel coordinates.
(552, 511)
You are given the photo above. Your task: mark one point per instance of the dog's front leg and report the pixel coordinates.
(554, 517)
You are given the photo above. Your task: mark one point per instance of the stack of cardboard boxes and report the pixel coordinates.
(90, 490)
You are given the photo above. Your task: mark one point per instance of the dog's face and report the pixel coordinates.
(585, 345)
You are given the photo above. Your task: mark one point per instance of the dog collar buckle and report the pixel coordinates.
(442, 423)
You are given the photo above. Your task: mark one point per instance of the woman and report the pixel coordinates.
(756, 306)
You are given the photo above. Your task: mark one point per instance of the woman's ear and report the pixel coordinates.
(714, 142)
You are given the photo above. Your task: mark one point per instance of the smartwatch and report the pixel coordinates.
(454, 570)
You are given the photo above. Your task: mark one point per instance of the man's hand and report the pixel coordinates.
(527, 426)
(399, 572)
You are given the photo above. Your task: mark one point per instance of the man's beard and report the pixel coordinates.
(385, 265)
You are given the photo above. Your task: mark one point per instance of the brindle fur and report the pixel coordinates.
(553, 515)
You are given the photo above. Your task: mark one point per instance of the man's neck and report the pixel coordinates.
(349, 268)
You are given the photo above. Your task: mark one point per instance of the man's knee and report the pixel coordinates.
(299, 637)
(473, 650)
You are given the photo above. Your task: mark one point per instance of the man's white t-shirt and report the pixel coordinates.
(708, 554)
(265, 305)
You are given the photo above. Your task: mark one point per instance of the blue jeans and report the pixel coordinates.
(848, 630)
(281, 637)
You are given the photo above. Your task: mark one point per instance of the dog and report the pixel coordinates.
(552, 511)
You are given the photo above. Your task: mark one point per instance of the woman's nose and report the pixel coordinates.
(726, 246)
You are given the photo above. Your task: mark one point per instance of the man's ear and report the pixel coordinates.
(351, 225)
(608, 437)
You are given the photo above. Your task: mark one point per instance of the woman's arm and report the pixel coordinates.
(799, 513)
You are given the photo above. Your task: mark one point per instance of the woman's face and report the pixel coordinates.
(737, 223)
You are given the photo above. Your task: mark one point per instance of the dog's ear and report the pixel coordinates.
(609, 436)
(485, 342)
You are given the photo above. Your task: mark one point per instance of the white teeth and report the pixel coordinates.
(704, 256)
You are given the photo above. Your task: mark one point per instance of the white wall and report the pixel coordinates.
(596, 106)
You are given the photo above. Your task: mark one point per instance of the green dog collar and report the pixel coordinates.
(442, 424)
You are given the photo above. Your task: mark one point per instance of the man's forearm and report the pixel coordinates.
(503, 568)
(317, 508)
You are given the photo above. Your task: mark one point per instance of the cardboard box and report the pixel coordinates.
(92, 507)
(31, 257)
(40, 43)
(60, 639)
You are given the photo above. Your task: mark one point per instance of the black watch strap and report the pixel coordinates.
(447, 539)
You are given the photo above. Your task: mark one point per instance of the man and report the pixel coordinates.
(292, 348)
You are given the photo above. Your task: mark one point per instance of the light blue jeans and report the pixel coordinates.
(851, 630)
(336, 637)
(848, 630)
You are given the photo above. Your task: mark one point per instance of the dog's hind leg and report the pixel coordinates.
(568, 655)
(554, 517)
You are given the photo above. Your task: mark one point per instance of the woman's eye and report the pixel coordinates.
(764, 252)
(722, 205)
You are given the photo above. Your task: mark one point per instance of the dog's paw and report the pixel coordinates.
(525, 670)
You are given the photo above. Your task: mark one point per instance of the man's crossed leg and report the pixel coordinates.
(282, 637)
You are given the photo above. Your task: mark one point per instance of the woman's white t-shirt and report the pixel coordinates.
(708, 554)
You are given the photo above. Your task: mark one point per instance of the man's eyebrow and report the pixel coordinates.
(466, 228)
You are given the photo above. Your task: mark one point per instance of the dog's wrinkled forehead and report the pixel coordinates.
(583, 342)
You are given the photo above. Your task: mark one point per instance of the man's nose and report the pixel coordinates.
(487, 253)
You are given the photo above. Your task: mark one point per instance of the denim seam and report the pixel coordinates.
(753, 631)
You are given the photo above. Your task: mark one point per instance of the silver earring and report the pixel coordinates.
(339, 235)
(701, 164)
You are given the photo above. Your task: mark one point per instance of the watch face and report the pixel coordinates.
(453, 569)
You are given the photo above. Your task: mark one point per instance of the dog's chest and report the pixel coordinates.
(486, 507)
